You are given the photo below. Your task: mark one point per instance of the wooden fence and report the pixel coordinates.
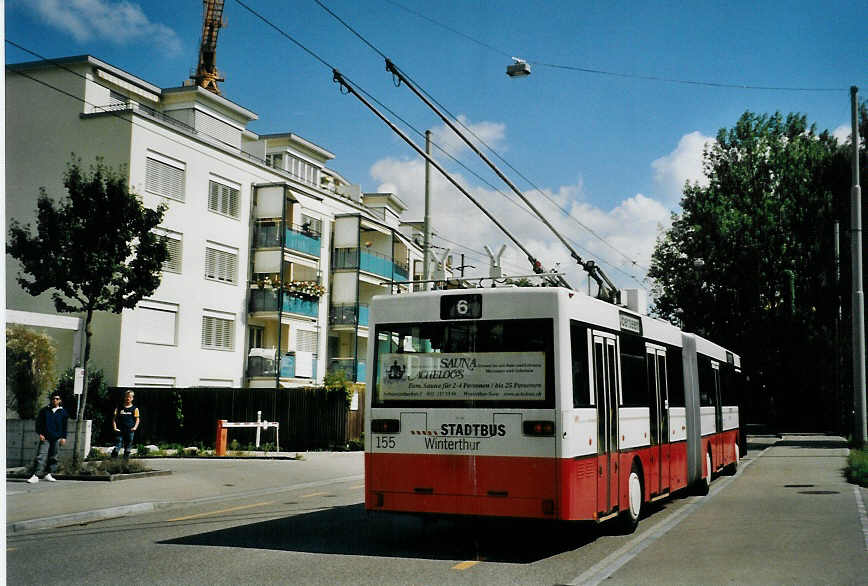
(310, 419)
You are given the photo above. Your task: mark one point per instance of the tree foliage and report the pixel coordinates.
(94, 250)
(99, 409)
(30, 374)
(749, 263)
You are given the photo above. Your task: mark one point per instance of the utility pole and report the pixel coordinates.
(860, 435)
(426, 252)
(840, 426)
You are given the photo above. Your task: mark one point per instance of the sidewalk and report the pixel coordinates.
(788, 517)
(192, 480)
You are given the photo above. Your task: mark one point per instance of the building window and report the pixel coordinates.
(164, 179)
(221, 264)
(256, 335)
(306, 340)
(216, 382)
(275, 160)
(173, 242)
(311, 224)
(157, 322)
(218, 333)
(224, 199)
(147, 380)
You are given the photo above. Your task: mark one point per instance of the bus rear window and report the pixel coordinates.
(482, 364)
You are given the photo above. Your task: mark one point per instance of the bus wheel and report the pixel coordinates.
(733, 468)
(705, 484)
(629, 518)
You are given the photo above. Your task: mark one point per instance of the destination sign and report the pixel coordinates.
(478, 376)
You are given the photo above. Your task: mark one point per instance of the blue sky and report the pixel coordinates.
(610, 150)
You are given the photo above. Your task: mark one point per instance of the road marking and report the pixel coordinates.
(620, 557)
(357, 486)
(464, 565)
(11, 548)
(862, 515)
(313, 494)
(229, 510)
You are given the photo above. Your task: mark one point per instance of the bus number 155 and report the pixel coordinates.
(385, 441)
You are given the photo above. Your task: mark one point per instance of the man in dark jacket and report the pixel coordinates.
(51, 427)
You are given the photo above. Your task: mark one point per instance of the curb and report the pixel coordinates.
(100, 478)
(82, 518)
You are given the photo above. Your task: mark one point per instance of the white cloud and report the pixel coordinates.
(682, 164)
(631, 226)
(117, 22)
(842, 133)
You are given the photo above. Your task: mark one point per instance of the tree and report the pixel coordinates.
(100, 408)
(29, 369)
(749, 263)
(95, 250)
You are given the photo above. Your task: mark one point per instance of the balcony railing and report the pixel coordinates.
(372, 262)
(306, 241)
(261, 366)
(347, 365)
(345, 315)
(266, 300)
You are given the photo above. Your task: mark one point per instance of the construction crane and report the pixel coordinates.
(206, 75)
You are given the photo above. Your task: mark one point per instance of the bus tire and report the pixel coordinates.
(705, 483)
(733, 468)
(629, 518)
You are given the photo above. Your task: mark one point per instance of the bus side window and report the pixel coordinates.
(579, 351)
(707, 383)
(634, 385)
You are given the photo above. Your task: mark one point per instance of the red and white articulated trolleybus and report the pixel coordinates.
(539, 402)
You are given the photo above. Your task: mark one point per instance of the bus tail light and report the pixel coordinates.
(539, 428)
(385, 426)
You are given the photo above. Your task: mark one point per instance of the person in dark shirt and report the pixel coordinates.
(51, 427)
(125, 422)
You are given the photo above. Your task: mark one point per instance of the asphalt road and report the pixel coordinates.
(763, 526)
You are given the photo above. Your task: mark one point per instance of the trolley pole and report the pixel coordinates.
(426, 253)
(860, 432)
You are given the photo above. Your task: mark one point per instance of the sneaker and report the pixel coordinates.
(33, 479)
(50, 478)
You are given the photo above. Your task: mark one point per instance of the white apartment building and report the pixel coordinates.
(273, 256)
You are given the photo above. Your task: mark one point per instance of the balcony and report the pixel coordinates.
(371, 262)
(287, 367)
(296, 238)
(262, 366)
(347, 366)
(345, 315)
(266, 300)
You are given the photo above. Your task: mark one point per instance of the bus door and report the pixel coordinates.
(717, 441)
(658, 406)
(606, 396)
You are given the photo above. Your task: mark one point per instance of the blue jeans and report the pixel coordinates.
(46, 456)
(125, 439)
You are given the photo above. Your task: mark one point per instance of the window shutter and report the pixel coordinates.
(221, 265)
(223, 199)
(173, 263)
(306, 341)
(163, 179)
(218, 333)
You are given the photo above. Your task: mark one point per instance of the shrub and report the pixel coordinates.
(30, 369)
(99, 408)
(857, 467)
(336, 381)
